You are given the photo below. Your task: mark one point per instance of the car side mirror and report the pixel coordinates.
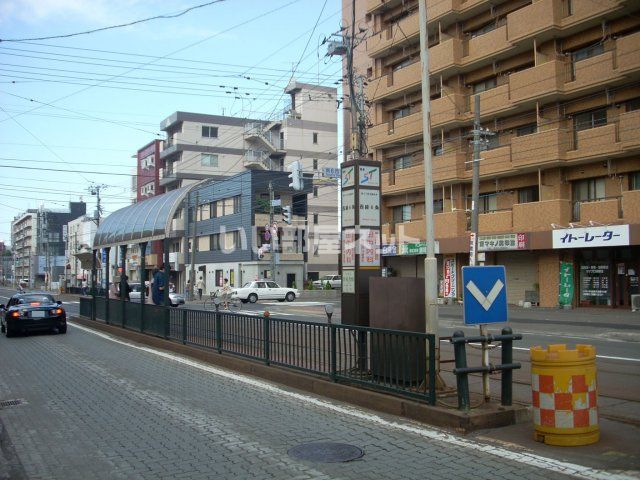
(59, 302)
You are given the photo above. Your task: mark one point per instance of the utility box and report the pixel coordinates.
(397, 303)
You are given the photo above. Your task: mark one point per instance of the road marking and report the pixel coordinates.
(606, 357)
(526, 458)
(299, 304)
(487, 301)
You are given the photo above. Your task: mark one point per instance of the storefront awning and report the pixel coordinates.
(141, 222)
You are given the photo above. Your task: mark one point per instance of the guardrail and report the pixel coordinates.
(393, 361)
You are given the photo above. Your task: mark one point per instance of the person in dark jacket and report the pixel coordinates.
(157, 289)
(125, 288)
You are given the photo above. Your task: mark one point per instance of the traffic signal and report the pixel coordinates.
(296, 176)
(286, 214)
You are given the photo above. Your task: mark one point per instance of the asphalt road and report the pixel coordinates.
(86, 405)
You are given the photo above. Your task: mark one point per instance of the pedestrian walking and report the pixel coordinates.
(157, 288)
(125, 288)
(188, 290)
(200, 287)
(84, 288)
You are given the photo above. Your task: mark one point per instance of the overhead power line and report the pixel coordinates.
(111, 27)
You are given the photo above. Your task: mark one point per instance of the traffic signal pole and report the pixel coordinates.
(273, 243)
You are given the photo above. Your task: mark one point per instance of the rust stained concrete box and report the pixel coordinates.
(397, 304)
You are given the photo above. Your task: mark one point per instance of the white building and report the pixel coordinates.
(80, 233)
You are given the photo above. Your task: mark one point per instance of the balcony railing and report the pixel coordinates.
(541, 216)
(603, 210)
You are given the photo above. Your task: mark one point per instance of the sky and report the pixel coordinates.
(74, 110)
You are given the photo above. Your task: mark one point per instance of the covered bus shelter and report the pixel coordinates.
(141, 223)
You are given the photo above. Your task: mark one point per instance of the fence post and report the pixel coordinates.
(184, 326)
(218, 330)
(506, 394)
(462, 380)
(267, 339)
(431, 338)
(333, 352)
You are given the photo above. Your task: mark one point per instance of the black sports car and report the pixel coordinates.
(32, 311)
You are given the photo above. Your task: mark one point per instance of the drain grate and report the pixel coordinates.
(326, 452)
(11, 403)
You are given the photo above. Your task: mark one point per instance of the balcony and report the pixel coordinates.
(543, 147)
(496, 160)
(539, 216)
(591, 71)
(404, 180)
(538, 17)
(405, 31)
(440, 8)
(411, 232)
(601, 211)
(487, 45)
(582, 11)
(449, 108)
(399, 130)
(448, 167)
(537, 82)
(445, 55)
(395, 83)
(500, 221)
(177, 225)
(629, 130)
(450, 224)
(493, 100)
(628, 53)
(388, 235)
(255, 159)
(631, 206)
(375, 5)
(595, 142)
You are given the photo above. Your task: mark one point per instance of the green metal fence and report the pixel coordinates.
(389, 360)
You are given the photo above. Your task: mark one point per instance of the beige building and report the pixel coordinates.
(559, 85)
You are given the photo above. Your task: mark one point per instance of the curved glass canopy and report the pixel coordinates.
(141, 222)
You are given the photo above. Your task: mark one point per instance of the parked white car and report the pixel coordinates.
(334, 280)
(264, 290)
(135, 295)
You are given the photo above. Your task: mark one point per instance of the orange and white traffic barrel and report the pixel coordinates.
(565, 395)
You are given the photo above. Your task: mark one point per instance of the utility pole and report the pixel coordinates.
(192, 256)
(430, 262)
(479, 139)
(273, 235)
(95, 190)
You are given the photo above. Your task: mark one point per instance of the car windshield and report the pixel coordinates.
(27, 299)
(247, 285)
(327, 277)
(135, 287)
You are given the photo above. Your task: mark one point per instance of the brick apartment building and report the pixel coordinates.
(559, 85)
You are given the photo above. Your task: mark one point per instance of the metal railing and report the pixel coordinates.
(394, 361)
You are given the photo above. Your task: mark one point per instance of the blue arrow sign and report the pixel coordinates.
(485, 294)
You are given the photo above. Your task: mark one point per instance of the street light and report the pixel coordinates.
(328, 309)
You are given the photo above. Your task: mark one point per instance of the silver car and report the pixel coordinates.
(176, 299)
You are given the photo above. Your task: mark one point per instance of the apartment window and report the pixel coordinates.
(587, 52)
(438, 205)
(483, 29)
(632, 105)
(402, 162)
(493, 141)
(209, 132)
(488, 203)
(484, 85)
(437, 149)
(591, 119)
(528, 195)
(315, 138)
(208, 160)
(204, 212)
(226, 206)
(402, 64)
(315, 164)
(401, 112)
(526, 129)
(203, 244)
(588, 189)
(231, 240)
(402, 213)
(634, 181)
(315, 192)
(315, 219)
(214, 241)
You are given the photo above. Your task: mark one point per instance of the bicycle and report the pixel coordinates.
(230, 303)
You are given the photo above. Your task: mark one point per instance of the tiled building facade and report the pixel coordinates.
(559, 85)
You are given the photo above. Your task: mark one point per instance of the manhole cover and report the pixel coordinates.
(11, 403)
(326, 452)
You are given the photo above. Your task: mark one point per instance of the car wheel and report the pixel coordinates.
(253, 298)
(9, 333)
(290, 297)
(2, 328)
(62, 329)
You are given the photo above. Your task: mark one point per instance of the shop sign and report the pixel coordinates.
(331, 172)
(507, 241)
(369, 203)
(348, 177)
(369, 176)
(369, 248)
(348, 208)
(602, 236)
(450, 280)
(565, 294)
(348, 281)
(594, 281)
(390, 250)
(416, 248)
(349, 248)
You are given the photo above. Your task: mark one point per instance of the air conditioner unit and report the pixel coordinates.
(635, 303)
